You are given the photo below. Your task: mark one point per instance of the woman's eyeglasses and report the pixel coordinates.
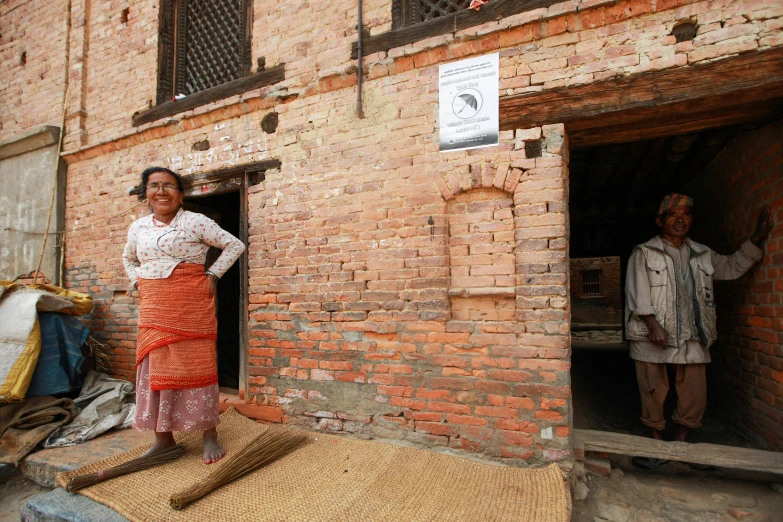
(168, 187)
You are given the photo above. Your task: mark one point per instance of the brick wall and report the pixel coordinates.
(352, 328)
(32, 61)
(571, 43)
(357, 320)
(746, 376)
(604, 309)
(349, 320)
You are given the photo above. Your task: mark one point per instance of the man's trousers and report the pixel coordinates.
(690, 384)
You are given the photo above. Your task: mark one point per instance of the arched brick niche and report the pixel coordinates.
(527, 188)
(481, 253)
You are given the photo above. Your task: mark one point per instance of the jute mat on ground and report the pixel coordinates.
(333, 479)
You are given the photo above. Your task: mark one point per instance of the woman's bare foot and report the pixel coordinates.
(163, 440)
(213, 451)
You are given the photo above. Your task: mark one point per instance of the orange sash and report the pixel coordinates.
(178, 329)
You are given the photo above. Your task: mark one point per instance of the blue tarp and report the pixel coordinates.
(57, 371)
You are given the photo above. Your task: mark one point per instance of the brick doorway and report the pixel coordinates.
(221, 196)
(224, 209)
(731, 172)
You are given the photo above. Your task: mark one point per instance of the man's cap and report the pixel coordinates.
(674, 200)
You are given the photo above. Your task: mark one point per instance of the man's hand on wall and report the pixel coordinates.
(657, 333)
(763, 227)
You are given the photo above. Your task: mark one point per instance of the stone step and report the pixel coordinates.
(44, 465)
(60, 506)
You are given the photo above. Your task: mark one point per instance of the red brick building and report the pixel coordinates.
(390, 290)
(596, 293)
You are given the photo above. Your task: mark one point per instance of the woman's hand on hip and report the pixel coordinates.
(212, 280)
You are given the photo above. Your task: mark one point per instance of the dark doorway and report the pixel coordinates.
(615, 189)
(225, 210)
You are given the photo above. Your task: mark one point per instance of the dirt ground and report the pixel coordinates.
(675, 493)
(606, 398)
(14, 493)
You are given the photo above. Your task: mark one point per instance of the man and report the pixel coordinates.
(670, 311)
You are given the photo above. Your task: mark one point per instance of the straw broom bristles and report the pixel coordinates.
(139, 463)
(274, 443)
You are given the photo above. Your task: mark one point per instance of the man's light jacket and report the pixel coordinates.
(653, 288)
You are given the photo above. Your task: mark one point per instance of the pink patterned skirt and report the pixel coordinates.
(189, 409)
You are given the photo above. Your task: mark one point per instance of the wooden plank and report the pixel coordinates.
(222, 174)
(463, 19)
(232, 172)
(674, 124)
(680, 110)
(710, 454)
(741, 79)
(248, 83)
(213, 188)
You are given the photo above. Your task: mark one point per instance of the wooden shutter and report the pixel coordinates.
(409, 12)
(213, 42)
(202, 44)
(165, 51)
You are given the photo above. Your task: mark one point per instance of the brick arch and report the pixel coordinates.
(479, 175)
(481, 229)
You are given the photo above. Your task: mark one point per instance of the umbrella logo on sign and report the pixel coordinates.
(467, 103)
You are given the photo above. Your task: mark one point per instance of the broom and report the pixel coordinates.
(139, 463)
(274, 443)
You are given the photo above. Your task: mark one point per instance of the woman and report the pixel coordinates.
(176, 360)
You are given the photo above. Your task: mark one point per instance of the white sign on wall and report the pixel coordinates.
(468, 95)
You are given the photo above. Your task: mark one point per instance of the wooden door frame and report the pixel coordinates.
(235, 179)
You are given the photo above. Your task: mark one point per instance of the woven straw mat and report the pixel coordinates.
(333, 479)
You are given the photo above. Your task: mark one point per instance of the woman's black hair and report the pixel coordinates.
(145, 176)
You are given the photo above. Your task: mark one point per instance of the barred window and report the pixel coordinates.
(409, 12)
(203, 44)
(592, 282)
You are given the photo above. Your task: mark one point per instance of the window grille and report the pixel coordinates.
(592, 282)
(203, 44)
(409, 12)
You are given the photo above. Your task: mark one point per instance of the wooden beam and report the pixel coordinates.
(709, 454)
(232, 172)
(463, 19)
(676, 123)
(222, 174)
(724, 83)
(248, 83)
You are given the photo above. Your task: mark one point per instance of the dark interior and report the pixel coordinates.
(615, 190)
(225, 210)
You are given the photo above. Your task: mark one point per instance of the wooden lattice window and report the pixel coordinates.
(409, 12)
(592, 282)
(203, 44)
